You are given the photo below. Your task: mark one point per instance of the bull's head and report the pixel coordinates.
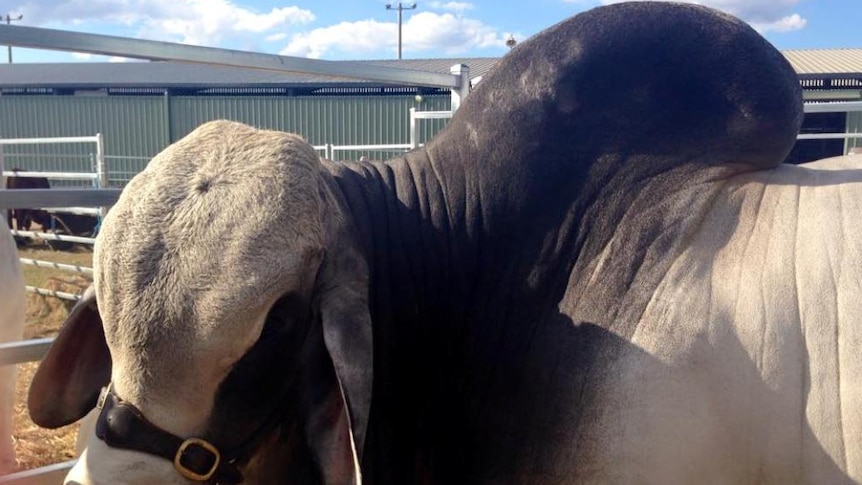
(229, 315)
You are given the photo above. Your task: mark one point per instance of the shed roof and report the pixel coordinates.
(825, 61)
(820, 65)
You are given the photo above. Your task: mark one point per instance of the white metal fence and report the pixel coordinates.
(97, 178)
(13, 353)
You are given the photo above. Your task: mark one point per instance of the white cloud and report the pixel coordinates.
(439, 28)
(200, 22)
(277, 37)
(211, 22)
(452, 33)
(452, 6)
(786, 24)
(365, 36)
(424, 31)
(763, 15)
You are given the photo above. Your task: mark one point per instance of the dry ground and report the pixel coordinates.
(36, 446)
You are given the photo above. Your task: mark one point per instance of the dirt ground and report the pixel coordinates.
(35, 446)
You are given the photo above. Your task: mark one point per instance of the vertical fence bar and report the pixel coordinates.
(101, 169)
(414, 136)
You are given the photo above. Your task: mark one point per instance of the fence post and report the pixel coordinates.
(100, 162)
(459, 93)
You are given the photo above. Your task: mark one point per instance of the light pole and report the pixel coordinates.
(9, 20)
(400, 9)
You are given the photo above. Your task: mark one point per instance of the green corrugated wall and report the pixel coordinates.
(137, 127)
(131, 126)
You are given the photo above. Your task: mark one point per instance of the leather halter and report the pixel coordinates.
(122, 425)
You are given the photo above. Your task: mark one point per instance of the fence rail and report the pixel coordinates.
(24, 351)
(58, 197)
(54, 237)
(50, 264)
(46, 475)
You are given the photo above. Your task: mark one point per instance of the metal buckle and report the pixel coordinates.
(191, 475)
(104, 395)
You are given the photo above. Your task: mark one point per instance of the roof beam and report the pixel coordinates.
(61, 40)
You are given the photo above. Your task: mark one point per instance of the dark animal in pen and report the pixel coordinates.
(24, 218)
(52, 222)
(64, 223)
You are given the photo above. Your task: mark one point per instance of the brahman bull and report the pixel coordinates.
(599, 272)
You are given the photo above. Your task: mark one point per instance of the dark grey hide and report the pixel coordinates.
(494, 346)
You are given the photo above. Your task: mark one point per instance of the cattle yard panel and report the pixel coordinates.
(32, 350)
(99, 178)
(60, 198)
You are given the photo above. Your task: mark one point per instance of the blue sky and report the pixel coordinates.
(365, 29)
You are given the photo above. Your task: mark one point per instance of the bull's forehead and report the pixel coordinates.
(217, 227)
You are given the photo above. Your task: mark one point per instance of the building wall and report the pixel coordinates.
(854, 125)
(137, 127)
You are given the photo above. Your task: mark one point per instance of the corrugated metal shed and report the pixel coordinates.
(141, 107)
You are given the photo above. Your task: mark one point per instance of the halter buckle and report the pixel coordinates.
(189, 446)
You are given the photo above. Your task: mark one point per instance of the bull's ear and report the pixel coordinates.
(341, 291)
(67, 384)
(326, 417)
(342, 296)
(347, 333)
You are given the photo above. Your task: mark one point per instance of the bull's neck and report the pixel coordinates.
(451, 237)
(444, 239)
(402, 224)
